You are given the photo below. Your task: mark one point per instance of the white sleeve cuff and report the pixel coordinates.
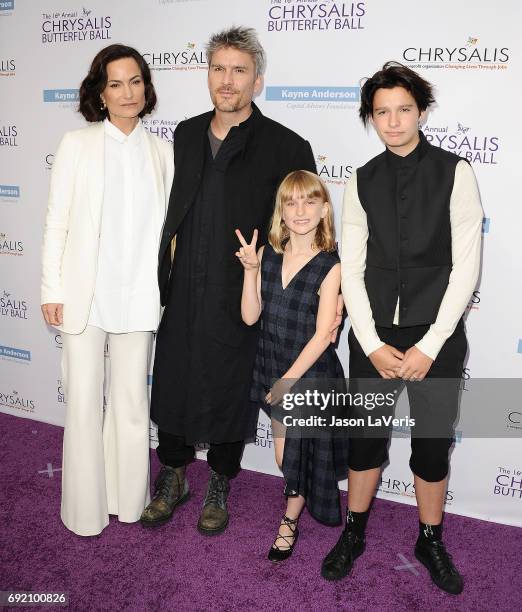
(430, 344)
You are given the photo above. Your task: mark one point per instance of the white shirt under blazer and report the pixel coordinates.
(73, 226)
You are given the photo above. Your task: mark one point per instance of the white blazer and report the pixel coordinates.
(72, 227)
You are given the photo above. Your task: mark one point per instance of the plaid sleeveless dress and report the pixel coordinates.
(311, 466)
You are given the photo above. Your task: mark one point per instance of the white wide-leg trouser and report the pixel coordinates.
(105, 467)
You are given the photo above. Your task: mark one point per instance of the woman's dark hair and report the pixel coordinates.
(94, 83)
(392, 75)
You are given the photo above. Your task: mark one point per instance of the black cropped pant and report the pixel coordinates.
(433, 403)
(225, 459)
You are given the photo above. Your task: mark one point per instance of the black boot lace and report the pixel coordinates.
(217, 490)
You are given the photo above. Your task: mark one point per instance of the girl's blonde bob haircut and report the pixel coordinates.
(311, 186)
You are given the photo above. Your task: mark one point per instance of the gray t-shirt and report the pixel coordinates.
(215, 143)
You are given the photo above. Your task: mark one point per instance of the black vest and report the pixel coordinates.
(407, 203)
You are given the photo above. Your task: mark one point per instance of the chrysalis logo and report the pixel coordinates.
(331, 172)
(60, 396)
(474, 301)
(508, 483)
(468, 54)
(7, 67)
(164, 128)
(296, 16)
(407, 489)
(9, 246)
(464, 142)
(74, 26)
(8, 135)
(189, 58)
(11, 306)
(16, 401)
(264, 436)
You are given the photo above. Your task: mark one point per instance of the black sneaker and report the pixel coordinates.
(433, 555)
(339, 561)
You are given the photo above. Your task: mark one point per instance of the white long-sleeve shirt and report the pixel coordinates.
(126, 295)
(466, 231)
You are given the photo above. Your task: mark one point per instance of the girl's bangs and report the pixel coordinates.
(304, 183)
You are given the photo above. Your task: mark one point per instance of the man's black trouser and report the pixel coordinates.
(225, 459)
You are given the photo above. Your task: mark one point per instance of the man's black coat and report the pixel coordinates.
(270, 153)
(202, 374)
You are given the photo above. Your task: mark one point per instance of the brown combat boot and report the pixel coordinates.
(214, 516)
(171, 490)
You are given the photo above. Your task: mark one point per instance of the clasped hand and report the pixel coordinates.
(391, 363)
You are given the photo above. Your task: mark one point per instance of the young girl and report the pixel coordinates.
(293, 285)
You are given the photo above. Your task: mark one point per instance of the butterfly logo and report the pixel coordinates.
(461, 129)
(191, 45)
(6, 295)
(321, 158)
(472, 41)
(86, 12)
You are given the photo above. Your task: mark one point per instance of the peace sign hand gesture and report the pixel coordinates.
(247, 253)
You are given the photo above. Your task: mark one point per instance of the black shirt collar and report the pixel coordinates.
(410, 160)
(248, 122)
(246, 129)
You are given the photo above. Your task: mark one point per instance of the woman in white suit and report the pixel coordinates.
(109, 192)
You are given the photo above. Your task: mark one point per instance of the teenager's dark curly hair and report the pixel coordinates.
(392, 75)
(94, 83)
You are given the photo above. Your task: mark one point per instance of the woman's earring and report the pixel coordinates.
(103, 106)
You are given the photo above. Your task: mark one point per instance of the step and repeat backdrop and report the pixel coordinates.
(318, 52)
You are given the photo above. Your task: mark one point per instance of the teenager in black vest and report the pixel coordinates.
(410, 261)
